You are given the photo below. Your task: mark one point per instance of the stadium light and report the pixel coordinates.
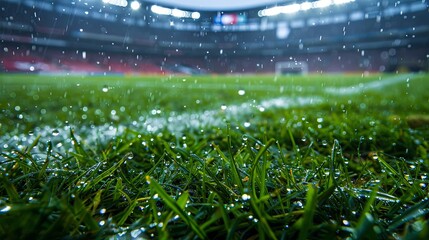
(179, 13)
(338, 2)
(322, 3)
(269, 12)
(306, 6)
(160, 10)
(296, 7)
(174, 12)
(135, 5)
(120, 3)
(195, 15)
(293, 8)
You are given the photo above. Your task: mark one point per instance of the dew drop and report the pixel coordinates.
(105, 88)
(135, 233)
(55, 132)
(6, 209)
(324, 142)
(245, 197)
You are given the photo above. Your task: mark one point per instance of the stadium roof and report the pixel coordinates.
(217, 5)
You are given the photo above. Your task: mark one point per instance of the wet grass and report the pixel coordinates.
(342, 166)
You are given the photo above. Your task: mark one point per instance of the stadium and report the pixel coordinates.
(326, 36)
(165, 119)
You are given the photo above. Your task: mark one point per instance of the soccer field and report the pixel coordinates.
(256, 156)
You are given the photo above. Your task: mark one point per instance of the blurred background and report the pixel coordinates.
(213, 37)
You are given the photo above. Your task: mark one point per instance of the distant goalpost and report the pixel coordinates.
(291, 67)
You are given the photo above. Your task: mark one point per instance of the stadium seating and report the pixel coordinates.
(52, 38)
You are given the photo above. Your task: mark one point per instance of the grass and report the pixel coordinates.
(207, 157)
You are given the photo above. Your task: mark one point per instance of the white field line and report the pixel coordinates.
(178, 123)
(362, 87)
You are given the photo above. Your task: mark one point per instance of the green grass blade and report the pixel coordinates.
(418, 210)
(233, 165)
(366, 220)
(173, 205)
(306, 222)
(10, 189)
(105, 174)
(253, 170)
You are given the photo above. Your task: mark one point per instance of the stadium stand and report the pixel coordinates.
(97, 38)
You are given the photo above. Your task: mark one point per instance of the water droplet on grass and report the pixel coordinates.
(135, 233)
(55, 132)
(245, 197)
(6, 209)
(241, 92)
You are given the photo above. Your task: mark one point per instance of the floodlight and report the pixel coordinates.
(160, 10)
(135, 5)
(270, 11)
(179, 13)
(293, 8)
(195, 15)
(322, 3)
(121, 3)
(306, 6)
(338, 2)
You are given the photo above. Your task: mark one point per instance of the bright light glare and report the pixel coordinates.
(270, 11)
(338, 2)
(160, 10)
(179, 13)
(293, 8)
(135, 5)
(195, 15)
(296, 7)
(306, 6)
(174, 12)
(322, 3)
(121, 3)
